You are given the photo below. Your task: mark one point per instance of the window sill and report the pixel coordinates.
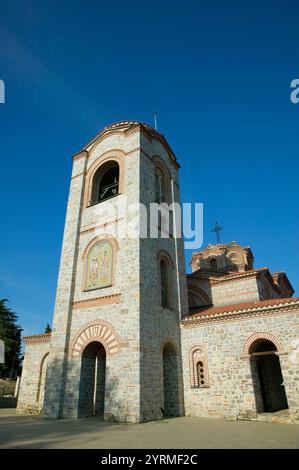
(103, 200)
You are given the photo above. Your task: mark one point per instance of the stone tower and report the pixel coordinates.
(115, 349)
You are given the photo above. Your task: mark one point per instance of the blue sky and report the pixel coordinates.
(218, 73)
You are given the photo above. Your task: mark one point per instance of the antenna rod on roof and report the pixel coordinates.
(155, 120)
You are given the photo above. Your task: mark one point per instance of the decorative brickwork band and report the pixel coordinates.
(263, 336)
(97, 301)
(97, 330)
(198, 367)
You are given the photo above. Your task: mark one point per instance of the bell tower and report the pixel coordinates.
(115, 348)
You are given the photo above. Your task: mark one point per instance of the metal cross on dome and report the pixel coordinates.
(217, 229)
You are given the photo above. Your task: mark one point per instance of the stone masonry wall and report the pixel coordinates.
(238, 290)
(158, 325)
(231, 392)
(122, 369)
(31, 395)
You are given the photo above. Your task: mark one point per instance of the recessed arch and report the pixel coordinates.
(165, 279)
(105, 182)
(102, 237)
(198, 367)
(42, 378)
(171, 378)
(169, 344)
(161, 167)
(112, 244)
(92, 385)
(97, 330)
(163, 254)
(213, 263)
(261, 336)
(115, 155)
(197, 293)
(235, 258)
(263, 349)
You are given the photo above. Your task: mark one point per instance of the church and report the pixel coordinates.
(134, 337)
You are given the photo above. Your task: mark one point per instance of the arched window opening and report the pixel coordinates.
(105, 182)
(160, 186)
(213, 263)
(164, 275)
(198, 363)
(200, 374)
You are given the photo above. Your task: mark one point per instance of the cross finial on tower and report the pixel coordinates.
(217, 229)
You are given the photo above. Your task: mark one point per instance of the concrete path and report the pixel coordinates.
(34, 432)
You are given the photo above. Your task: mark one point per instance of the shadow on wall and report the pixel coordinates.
(90, 390)
(38, 433)
(171, 382)
(199, 297)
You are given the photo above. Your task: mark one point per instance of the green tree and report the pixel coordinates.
(48, 329)
(10, 333)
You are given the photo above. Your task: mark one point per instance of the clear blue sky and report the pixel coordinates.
(217, 72)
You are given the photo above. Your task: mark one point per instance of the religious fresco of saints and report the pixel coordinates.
(99, 266)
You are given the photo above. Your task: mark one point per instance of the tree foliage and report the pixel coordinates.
(10, 333)
(48, 328)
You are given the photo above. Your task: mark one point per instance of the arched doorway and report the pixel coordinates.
(42, 380)
(92, 381)
(267, 377)
(170, 382)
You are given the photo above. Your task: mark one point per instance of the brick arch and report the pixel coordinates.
(198, 353)
(116, 155)
(266, 336)
(103, 237)
(97, 330)
(98, 140)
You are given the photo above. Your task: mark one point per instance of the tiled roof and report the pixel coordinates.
(241, 307)
(228, 277)
(131, 124)
(37, 337)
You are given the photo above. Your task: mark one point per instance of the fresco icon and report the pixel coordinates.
(99, 266)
